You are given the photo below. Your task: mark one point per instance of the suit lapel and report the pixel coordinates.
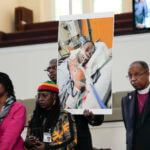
(131, 108)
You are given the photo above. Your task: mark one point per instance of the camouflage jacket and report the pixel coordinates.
(63, 135)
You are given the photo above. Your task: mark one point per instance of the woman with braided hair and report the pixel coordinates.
(50, 127)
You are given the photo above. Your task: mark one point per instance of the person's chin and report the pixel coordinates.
(137, 87)
(42, 106)
(52, 78)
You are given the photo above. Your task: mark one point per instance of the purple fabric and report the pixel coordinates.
(12, 127)
(141, 101)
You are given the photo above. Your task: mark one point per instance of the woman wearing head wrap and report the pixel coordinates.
(50, 127)
(12, 116)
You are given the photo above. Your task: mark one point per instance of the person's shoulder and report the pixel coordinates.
(66, 116)
(129, 95)
(18, 105)
(64, 112)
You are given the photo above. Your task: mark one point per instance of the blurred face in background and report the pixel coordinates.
(52, 70)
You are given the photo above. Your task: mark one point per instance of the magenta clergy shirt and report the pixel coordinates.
(141, 101)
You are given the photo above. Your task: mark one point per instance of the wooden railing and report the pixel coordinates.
(44, 32)
(123, 24)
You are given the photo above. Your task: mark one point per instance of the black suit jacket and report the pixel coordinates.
(83, 132)
(129, 118)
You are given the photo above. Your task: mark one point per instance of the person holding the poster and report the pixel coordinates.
(52, 70)
(82, 121)
(50, 126)
(12, 116)
(136, 108)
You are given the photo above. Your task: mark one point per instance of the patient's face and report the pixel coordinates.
(87, 52)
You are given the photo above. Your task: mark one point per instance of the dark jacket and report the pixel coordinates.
(83, 132)
(137, 125)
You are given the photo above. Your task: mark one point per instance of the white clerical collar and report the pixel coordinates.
(144, 91)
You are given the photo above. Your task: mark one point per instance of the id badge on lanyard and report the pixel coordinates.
(47, 137)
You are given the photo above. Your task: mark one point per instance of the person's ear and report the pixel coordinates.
(149, 75)
(54, 101)
(54, 95)
(54, 98)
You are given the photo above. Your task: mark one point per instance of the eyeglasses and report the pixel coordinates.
(138, 75)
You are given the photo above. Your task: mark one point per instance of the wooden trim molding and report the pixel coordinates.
(44, 32)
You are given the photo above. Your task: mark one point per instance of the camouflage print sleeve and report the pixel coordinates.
(64, 135)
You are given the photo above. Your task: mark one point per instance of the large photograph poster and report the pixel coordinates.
(85, 62)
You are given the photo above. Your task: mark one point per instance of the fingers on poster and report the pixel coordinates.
(85, 62)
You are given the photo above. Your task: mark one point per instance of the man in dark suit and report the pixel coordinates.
(84, 140)
(136, 108)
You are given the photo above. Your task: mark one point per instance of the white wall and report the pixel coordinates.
(7, 8)
(127, 49)
(109, 135)
(25, 65)
(126, 6)
(35, 5)
(48, 10)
